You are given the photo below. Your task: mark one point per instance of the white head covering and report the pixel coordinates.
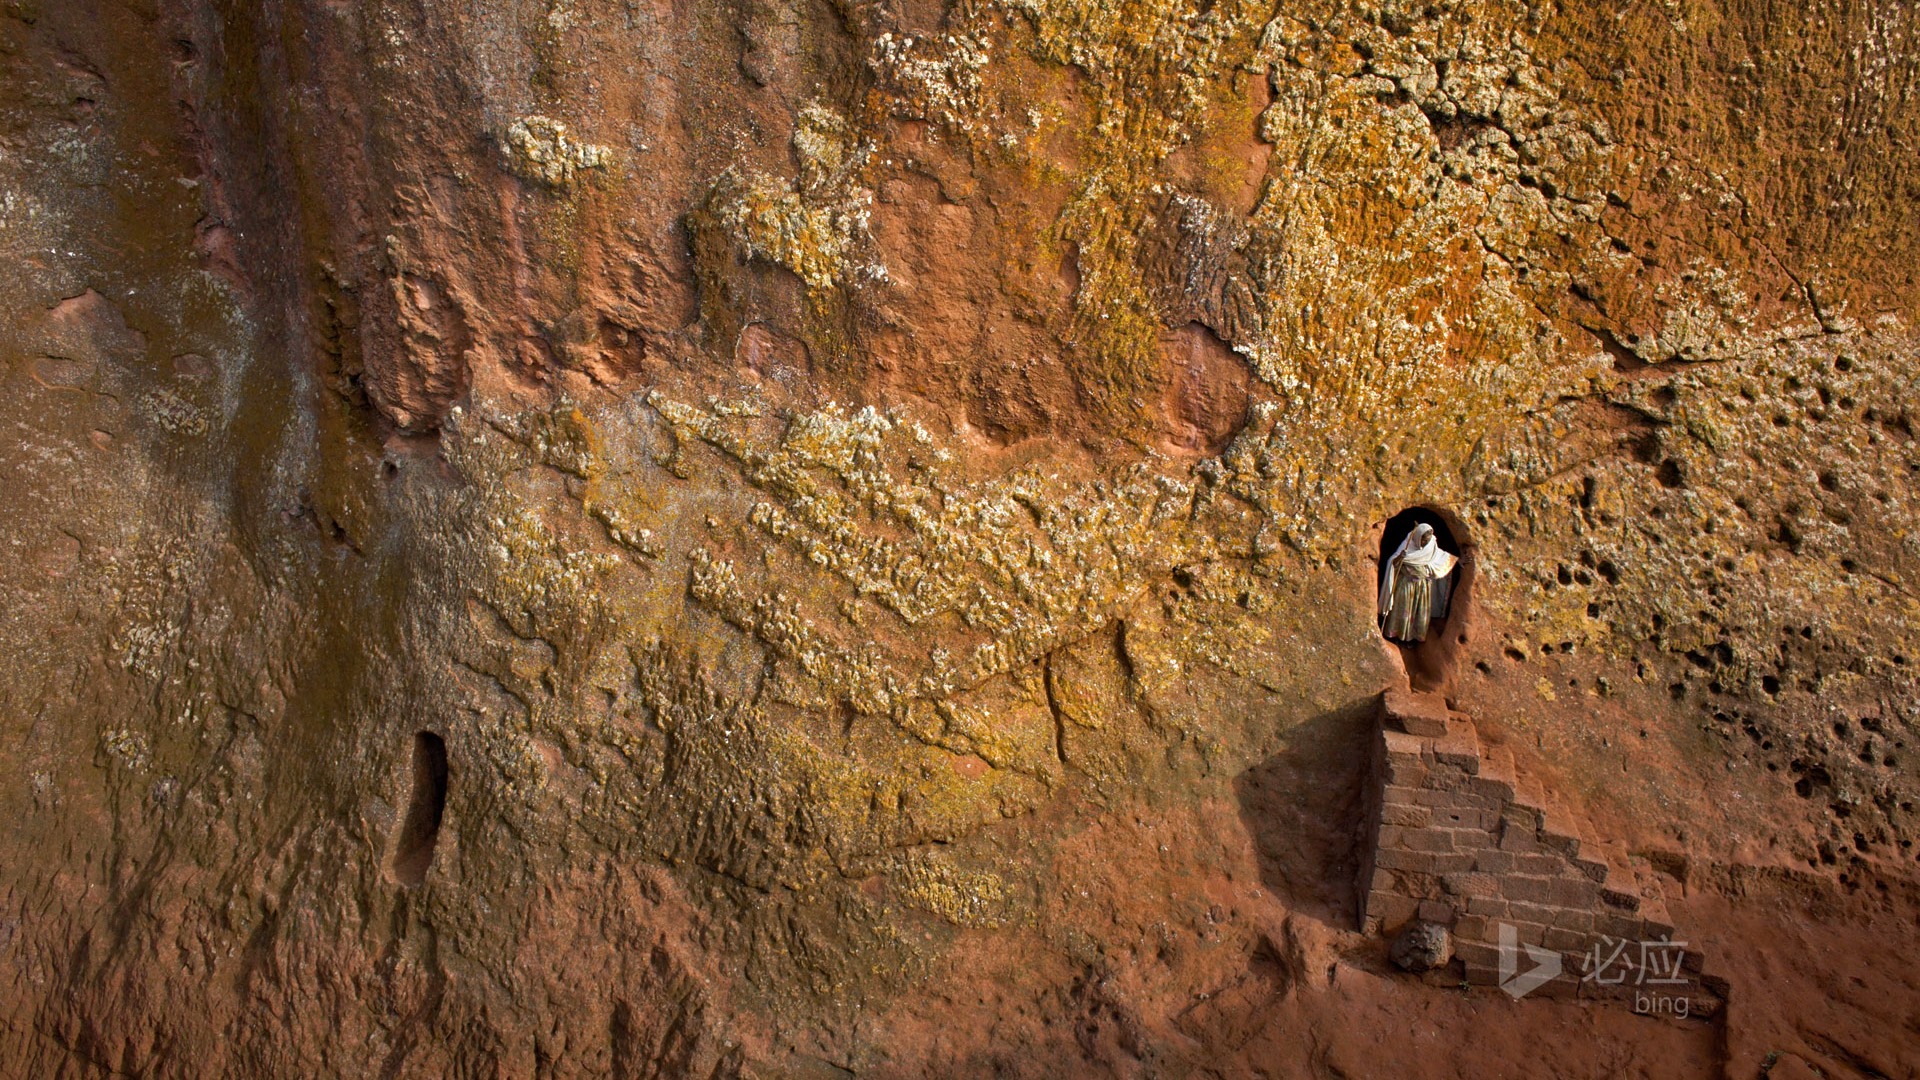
(1421, 548)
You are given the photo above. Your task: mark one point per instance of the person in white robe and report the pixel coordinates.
(1414, 590)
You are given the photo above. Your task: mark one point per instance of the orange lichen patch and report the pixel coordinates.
(1148, 68)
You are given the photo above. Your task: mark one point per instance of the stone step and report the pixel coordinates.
(1459, 747)
(1558, 830)
(1422, 714)
(1621, 892)
(1653, 898)
(1528, 800)
(1496, 763)
(1627, 873)
(1558, 838)
(1633, 888)
(1605, 861)
(1488, 835)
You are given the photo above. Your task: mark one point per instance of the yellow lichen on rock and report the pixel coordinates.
(542, 148)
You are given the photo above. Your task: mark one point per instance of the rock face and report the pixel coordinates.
(613, 537)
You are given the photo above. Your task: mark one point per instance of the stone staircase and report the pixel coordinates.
(1461, 839)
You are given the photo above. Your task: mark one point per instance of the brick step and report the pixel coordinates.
(1628, 883)
(1619, 879)
(1496, 762)
(1459, 747)
(1650, 899)
(1424, 715)
(1556, 818)
(1558, 829)
(1606, 862)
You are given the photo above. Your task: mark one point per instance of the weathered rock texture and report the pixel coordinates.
(876, 503)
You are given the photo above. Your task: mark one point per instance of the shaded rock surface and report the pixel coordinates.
(620, 537)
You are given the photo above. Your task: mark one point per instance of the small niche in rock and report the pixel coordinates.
(1430, 662)
(420, 831)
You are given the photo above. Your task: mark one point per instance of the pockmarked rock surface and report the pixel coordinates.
(621, 537)
(1422, 946)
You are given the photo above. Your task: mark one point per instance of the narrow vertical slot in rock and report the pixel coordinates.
(420, 832)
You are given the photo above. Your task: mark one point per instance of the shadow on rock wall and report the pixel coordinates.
(1304, 805)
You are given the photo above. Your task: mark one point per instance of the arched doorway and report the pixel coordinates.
(1430, 663)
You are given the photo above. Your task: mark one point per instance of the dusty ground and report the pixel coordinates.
(878, 503)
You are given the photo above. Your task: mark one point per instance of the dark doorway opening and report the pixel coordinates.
(1430, 662)
(420, 831)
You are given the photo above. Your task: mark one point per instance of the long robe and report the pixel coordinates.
(1414, 589)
